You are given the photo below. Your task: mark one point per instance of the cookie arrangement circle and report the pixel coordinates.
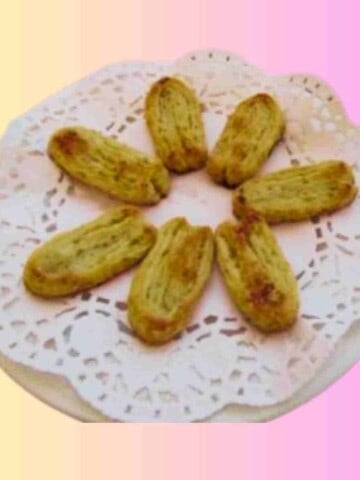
(218, 358)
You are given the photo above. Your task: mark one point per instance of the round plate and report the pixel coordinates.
(219, 363)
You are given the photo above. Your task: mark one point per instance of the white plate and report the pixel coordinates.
(219, 360)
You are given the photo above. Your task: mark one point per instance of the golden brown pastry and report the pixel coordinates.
(298, 193)
(257, 276)
(110, 166)
(247, 140)
(173, 116)
(170, 281)
(89, 255)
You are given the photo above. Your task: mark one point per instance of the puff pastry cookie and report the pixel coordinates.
(173, 116)
(112, 167)
(89, 255)
(258, 277)
(298, 193)
(247, 140)
(170, 280)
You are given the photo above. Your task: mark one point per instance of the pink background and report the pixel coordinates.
(48, 44)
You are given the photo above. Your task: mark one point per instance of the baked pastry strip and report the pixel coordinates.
(89, 255)
(168, 283)
(250, 134)
(173, 116)
(256, 273)
(298, 193)
(113, 167)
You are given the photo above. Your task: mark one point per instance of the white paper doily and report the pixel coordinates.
(219, 360)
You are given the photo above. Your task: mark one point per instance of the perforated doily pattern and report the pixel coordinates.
(219, 359)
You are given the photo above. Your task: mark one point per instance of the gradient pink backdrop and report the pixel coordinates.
(48, 44)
